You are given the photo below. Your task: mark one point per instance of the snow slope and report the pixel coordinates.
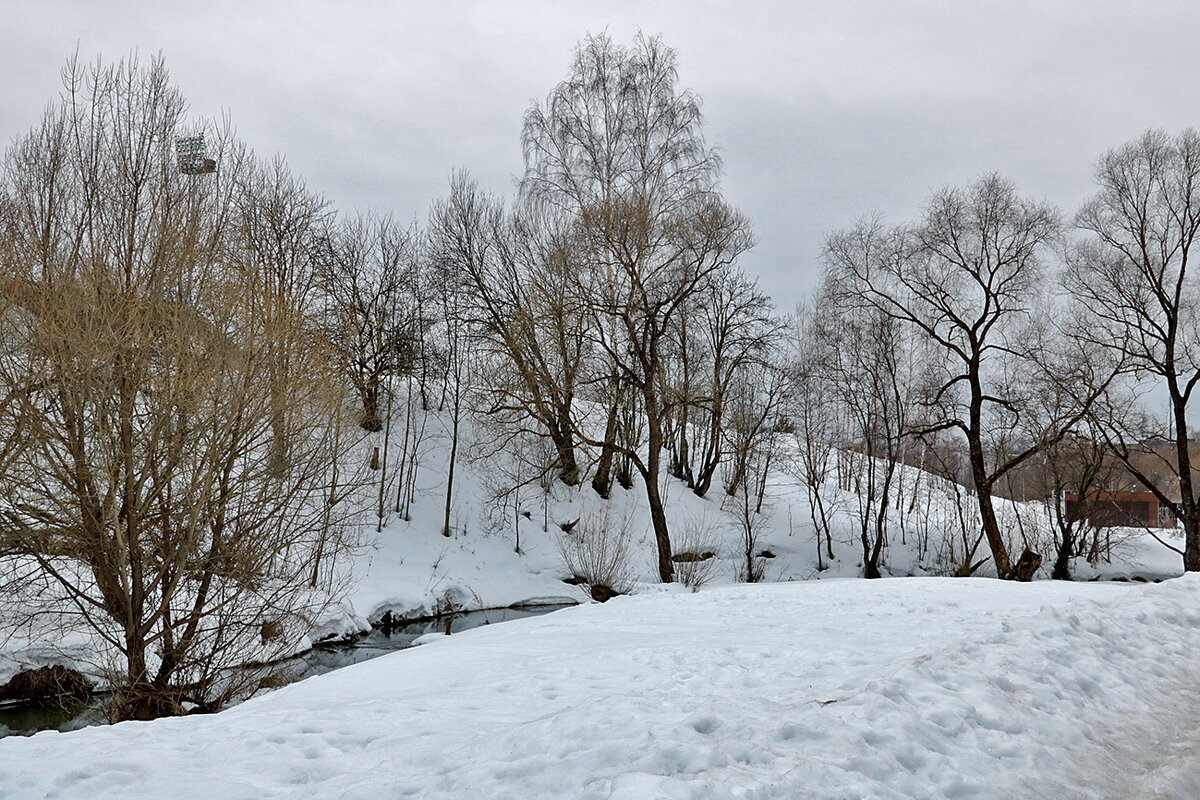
(898, 688)
(410, 569)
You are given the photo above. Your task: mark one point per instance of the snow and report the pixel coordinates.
(339, 623)
(1136, 555)
(409, 570)
(814, 685)
(897, 688)
(412, 571)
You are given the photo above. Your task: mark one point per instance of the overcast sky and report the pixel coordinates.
(824, 111)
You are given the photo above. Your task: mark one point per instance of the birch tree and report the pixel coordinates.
(619, 148)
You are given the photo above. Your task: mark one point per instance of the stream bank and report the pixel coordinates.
(25, 718)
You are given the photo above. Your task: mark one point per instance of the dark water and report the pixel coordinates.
(25, 719)
(29, 718)
(326, 658)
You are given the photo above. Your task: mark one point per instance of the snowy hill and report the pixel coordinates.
(411, 570)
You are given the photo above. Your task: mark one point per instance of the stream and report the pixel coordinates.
(26, 719)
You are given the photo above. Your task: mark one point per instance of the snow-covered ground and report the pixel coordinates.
(899, 688)
(812, 685)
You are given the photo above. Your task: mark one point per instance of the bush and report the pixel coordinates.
(696, 561)
(597, 552)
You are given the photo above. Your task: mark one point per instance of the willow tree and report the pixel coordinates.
(174, 497)
(619, 149)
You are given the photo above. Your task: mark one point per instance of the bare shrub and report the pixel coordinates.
(696, 552)
(597, 552)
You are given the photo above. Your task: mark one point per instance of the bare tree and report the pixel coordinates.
(278, 223)
(1081, 464)
(1132, 273)
(176, 485)
(618, 148)
(967, 278)
(954, 522)
(735, 331)
(754, 432)
(515, 461)
(866, 354)
(367, 274)
(459, 243)
(524, 320)
(814, 411)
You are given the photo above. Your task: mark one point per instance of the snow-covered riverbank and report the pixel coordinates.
(918, 687)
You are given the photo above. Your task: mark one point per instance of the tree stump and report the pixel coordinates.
(1027, 566)
(601, 593)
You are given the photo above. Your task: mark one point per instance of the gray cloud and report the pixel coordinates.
(823, 111)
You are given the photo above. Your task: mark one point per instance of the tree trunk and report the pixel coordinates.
(370, 416)
(1191, 534)
(662, 538)
(1191, 512)
(602, 481)
(991, 531)
(135, 658)
(711, 457)
(983, 486)
(872, 564)
(739, 473)
(651, 474)
(870, 560)
(1027, 566)
(683, 467)
(453, 459)
(564, 446)
(1062, 559)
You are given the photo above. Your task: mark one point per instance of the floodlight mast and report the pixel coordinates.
(192, 155)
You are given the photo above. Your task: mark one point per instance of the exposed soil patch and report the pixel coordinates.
(46, 683)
